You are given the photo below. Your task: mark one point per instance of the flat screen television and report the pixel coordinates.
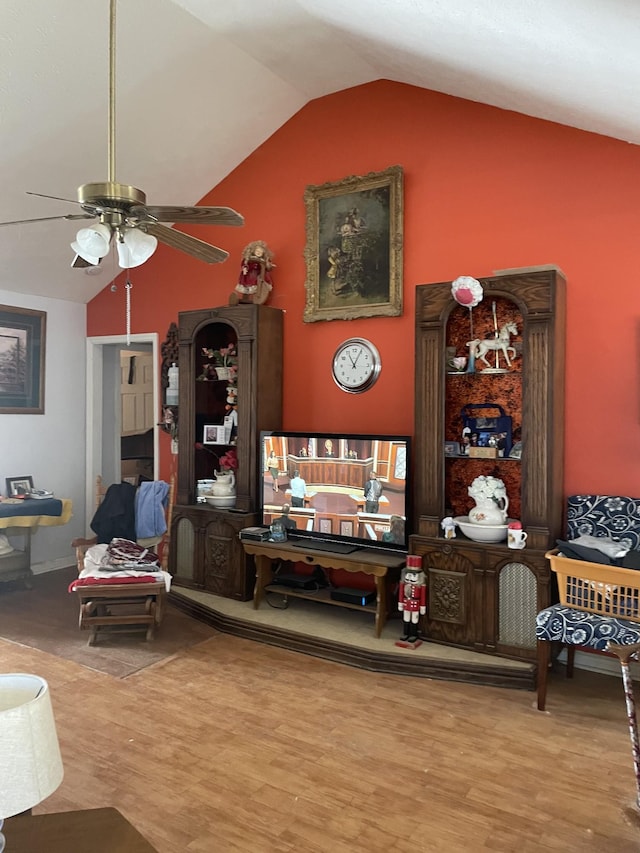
(337, 492)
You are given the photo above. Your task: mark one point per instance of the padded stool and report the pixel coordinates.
(571, 627)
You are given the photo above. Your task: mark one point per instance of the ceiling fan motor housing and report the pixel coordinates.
(111, 194)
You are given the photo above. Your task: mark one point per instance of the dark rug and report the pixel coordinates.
(46, 618)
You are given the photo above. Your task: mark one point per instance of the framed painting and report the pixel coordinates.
(353, 251)
(22, 350)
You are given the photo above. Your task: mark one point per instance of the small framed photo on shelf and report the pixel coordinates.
(19, 486)
(216, 434)
(452, 448)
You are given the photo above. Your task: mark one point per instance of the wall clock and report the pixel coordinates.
(356, 365)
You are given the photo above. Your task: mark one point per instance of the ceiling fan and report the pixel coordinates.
(124, 217)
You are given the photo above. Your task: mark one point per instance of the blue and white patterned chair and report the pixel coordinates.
(608, 516)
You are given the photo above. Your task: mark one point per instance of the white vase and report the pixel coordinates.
(487, 511)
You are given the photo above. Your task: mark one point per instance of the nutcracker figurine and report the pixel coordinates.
(412, 598)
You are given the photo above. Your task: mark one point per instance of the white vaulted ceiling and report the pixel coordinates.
(200, 84)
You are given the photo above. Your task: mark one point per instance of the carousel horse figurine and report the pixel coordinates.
(501, 344)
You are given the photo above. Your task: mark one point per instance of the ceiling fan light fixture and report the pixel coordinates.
(92, 243)
(80, 252)
(135, 247)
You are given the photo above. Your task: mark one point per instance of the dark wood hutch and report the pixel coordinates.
(205, 552)
(485, 596)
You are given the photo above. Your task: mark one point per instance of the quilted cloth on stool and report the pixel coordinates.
(579, 628)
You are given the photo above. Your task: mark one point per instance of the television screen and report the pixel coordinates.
(341, 491)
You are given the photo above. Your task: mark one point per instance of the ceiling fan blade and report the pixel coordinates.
(48, 218)
(202, 215)
(56, 197)
(191, 245)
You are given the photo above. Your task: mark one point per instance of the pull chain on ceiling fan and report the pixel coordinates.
(123, 215)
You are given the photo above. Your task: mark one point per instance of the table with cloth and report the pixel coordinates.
(22, 519)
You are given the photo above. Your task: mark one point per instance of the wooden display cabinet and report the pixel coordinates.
(206, 535)
(486, 596)
(206, 552)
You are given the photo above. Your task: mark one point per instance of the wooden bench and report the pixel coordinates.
(122, 606)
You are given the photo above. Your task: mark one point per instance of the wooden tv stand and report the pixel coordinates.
(365, 560)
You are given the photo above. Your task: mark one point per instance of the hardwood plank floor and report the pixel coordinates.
(236, 747)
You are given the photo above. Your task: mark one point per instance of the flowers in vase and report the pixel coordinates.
(222, 364)
(229, 461)
(223, 357)
(487, 488)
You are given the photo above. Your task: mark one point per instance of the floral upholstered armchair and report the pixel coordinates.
(596, 613)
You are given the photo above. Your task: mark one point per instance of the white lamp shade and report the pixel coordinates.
(30, 762)
(135, 248)
(90, 259)
(92, 242)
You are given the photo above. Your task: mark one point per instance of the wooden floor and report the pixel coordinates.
(232, 746)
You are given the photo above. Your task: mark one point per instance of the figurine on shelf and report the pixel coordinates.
(255, 282)
(499, 344)
(448, 526)
(231, 421)
(466, 441)
(171, 394)
(412, 598)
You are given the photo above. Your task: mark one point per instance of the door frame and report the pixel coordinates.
(95, 411)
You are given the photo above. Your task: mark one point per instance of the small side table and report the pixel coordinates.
(22, 521)
(87, 831)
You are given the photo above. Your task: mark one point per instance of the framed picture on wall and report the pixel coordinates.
(354, 247)
(22, 351)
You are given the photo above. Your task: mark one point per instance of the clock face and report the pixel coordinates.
(356, 365)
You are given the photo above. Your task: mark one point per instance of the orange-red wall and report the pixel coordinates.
(485, 190)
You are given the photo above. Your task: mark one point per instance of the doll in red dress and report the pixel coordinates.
(255, 281)
(412, 597)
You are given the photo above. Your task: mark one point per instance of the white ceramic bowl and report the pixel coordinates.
(226, 502)
(481, 532)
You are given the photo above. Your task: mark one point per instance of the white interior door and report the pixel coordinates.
(136, 392)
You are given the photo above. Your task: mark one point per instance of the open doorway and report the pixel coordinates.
(137, 414)
(108, 364)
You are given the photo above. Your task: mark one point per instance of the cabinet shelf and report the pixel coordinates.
(321, 595)
(481, 373)
(493, 460)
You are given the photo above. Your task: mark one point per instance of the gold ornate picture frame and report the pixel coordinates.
(354, 247)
